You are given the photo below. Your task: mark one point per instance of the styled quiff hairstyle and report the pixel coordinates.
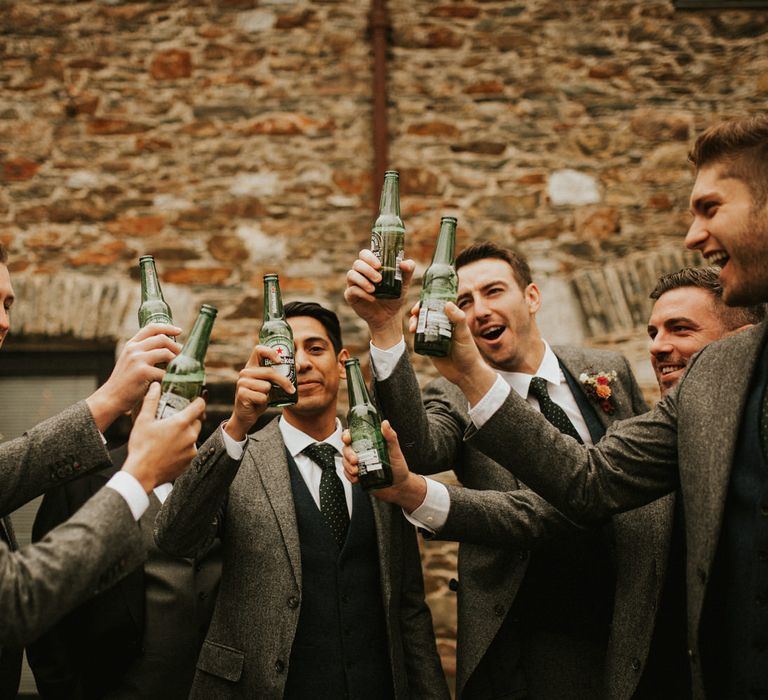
(708, 278)
(487, 249)
(741, 147)
(3, 254)
(327, 318)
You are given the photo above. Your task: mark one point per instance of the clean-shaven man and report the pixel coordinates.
(321, 594)
(536, 611)
(708, 436)
(101, 543)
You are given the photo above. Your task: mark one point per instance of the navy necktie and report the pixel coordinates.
(333, 501)
(550, 410)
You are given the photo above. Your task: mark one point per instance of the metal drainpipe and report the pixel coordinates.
(379, 23)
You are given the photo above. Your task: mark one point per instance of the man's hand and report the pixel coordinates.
(383, 316)
(160, 450)
(464, 366)
(408, 490)
(133, 372)
(252, 392)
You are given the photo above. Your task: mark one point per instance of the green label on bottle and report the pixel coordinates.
(157, 318)
(170, 404)
(284, 349)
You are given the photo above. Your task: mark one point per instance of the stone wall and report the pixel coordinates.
(232, 137)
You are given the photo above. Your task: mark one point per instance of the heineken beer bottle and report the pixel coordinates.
(277, 334)
(365, 428)
(441, 283)
(185, 376)
(388, 239)
(153, 308)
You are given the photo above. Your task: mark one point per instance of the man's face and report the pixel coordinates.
(682, 322)
(318, 368)
(500, 315)
(6, 301)
(731, 232)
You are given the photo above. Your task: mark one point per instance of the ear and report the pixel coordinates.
(734, 331)
(532, 297)
(341, 358)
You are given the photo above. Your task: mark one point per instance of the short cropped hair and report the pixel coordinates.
(3, 254)
(708, 278)
(327, 317)
(487, 249)
(741, 146)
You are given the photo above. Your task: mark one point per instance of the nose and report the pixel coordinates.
(5, 320)
(697, 234)
(480, 309)
(660, 345)
(302, 360)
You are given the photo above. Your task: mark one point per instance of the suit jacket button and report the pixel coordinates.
(498, 609)
(453, 585)
(279, 666)
(692, 655)
(211, 450)
(636, 664)
(293, 602)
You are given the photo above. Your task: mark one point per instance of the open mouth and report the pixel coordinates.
(671, 368)
(492, 332)
(720, 258)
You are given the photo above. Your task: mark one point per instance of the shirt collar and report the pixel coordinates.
(549, 369)
(297, 441)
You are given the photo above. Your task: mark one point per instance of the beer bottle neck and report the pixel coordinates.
(197, 343)
(445, 248)
(150, 284)
(273, 301)
(358, 394)
(390, 196)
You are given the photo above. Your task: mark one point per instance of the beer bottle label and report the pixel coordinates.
(367, 456)
(432, 319)
(170, 404)
(376, 243)
(157, 318)
(283, 347)
(398, 271)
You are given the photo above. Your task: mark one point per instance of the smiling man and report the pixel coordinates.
(321, 593)
(690, 313)
(545, 610)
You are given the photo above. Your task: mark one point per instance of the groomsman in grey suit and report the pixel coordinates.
(101, 542)
(547, 610)
(708, 436)
(321, 593)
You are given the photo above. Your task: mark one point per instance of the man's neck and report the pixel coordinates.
(317, 426)
(530, 360)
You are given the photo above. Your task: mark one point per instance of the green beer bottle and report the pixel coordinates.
(388, 239)
(365, 428)
(153, 308)
(185, 376)
(441, 284)
(276, 333)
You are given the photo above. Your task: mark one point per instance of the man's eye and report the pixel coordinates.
(680, 329)
(462, 303)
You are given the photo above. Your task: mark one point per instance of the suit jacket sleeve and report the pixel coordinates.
(90, 552)
(192, 516)
(422, 662)
(634, 463)
(431, 430)
(52, 452)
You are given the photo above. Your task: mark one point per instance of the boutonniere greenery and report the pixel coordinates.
(598, 387)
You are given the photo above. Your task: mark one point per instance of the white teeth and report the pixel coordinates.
(669, 370)
(718, 259)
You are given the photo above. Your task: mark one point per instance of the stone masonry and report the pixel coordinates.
(230, 138)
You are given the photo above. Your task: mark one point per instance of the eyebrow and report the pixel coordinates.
(697, 203)
(484, 287)
(317, 339)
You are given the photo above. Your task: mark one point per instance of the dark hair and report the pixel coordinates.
(741, 145)
(3, 254)
(488, 249)
(312, 309)
(708, 278)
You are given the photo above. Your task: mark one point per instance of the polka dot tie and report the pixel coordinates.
(550, 410)
(333, 502)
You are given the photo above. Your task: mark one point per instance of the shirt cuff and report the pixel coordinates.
(433, 512)
(234, 448)
(130, 489)
(383, 362)
(482, 411)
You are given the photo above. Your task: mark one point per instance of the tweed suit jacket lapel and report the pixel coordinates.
(267, 456)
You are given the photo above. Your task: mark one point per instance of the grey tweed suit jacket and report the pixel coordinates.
(88, 553)
(687, 440)
(250, 504)
(497, 519)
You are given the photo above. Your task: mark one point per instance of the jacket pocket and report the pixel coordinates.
(221, 661)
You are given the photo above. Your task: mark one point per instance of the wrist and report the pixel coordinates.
(386, 335)
(236, 429)
(144, 476)
(476, 382)
(410, 494)
(103, 409)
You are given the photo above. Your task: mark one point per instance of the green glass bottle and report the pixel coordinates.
(388, 239)
(365, 428)
(185, 376)
(276, 333)
(441, 284)
(153, 308)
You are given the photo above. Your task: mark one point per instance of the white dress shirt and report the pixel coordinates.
(433, 512)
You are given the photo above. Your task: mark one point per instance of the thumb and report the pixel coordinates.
(149, 405)
(459, 320)
(393, 444)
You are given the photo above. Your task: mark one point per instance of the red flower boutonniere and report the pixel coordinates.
(598, 387)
